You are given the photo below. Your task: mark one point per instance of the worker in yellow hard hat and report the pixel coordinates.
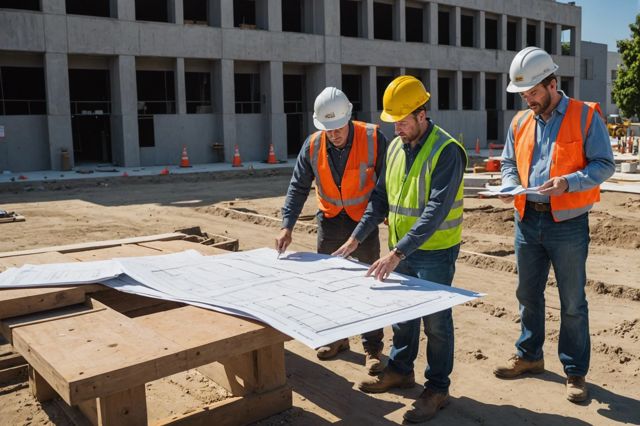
(421, 193)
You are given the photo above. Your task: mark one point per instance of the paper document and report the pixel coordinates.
(60, 274)
(496, 191)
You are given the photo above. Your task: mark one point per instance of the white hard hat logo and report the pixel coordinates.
(331, 109)
(329, 116)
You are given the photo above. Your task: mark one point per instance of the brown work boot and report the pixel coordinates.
(426, 406)
(331, 350)
(373, 362)
(576, 389)
(387, 380)
(517, 366)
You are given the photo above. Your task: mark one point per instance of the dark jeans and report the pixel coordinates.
(438, 266)
(332, 233)
(539, 243)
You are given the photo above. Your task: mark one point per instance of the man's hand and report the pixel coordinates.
(507, 199)
(283, 240)
(347, 248)
(554, 186)
(384, 266)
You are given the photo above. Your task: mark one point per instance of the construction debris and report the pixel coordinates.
(8, 217)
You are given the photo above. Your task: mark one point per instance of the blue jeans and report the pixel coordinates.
(539, 243)
(438, 266)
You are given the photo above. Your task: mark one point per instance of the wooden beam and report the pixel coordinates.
(39, 387)
(123, 408)
(15, 374)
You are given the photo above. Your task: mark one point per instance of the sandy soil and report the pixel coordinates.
(247, 206)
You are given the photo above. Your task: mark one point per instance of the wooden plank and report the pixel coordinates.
(181, 245)
(132, 305)
(97, 354)
(237, 411)
(210, 336)
(11, 360)
(16, 218)
(36, 259)
(124, 408)
(130, 250)
(95, 244)
(15, 374)
(39, 387)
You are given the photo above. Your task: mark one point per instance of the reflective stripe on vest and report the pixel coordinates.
(408, 193)
(359, 176)
(567, 157)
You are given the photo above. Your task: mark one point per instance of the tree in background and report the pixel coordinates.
(626, 88)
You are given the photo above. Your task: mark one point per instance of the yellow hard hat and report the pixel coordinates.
(401, 97)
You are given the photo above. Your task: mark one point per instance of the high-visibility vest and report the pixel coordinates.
(359, 177)
(567, 157)
(408, 193)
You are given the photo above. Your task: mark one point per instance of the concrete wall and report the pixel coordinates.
(614, 60)
(25, 146)
(593, 84)
(252, 137)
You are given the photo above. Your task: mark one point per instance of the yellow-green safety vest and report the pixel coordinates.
(408, 194)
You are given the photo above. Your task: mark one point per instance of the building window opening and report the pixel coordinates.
(244, 14)
(156, 95)
(20, 4)
(414, 20)
(152, 10)
(467, 93)
(467, 30)
(548, 40)
(566, 41)
(349, 18)
(512, 36)
(198, 92)
(491, 94)
(22, 91)
(491, 33)
(565, 86)
(382, 81)
(444, 92)
(89, 8)
(352, 87)
(292, 16)
(247, 89)
(382, 21)
(293, 92)
(195, 12)
(511, 101)
(443, 28)
(532, 34)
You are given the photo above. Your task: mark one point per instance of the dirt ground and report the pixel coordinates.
(246, 206)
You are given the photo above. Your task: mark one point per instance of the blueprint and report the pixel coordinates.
(313, 298)
(496, 191)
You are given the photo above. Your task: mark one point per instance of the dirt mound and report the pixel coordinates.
(610, 230)
(626, 330)
(489, 219)
(631, 204)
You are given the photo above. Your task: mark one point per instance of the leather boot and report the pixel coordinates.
(331, 350)
(388, 379)
(426, 406)
(373, 362)
(517, 366)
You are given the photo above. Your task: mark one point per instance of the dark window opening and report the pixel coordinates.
(156, 92)
(548, 40)
(531, 35)
(349, 18)
(466, 30)
(195, 12)
(152, 10)
(292, 16)
(22, 91)
(414, 21)
(352, 87)
(443, 28)
(382, 21)
(491, 94)
(444, 100)
(491, 33)
(198, 92)
(511, 101)
(244, 13)
(20, 4)
(90, 8)
(382, 81)
(146, 133)
(247, 89)
(467, 93)
(293, 92)
(512, 31)
(565, 86)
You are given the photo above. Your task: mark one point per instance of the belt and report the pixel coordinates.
(539, 207)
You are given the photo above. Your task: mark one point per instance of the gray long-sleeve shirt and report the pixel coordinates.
(445, 180)
(302, 178)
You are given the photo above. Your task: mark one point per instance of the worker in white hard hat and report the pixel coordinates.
(345, 158)
(561, 146)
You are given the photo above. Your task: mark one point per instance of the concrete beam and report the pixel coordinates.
(58, 110)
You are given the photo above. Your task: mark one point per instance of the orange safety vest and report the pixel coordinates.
(358, 179)
(567, 157)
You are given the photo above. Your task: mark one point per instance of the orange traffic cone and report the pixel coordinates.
(22, 177)
(236, 158)
(271, 158)
(125, 174)
(477, 145)
(184, 160)
(164, 171)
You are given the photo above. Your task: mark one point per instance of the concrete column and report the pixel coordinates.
(503, 81)
(367, 19)
(521, 34)
(457, 91)
(558, 40)
(272, 76)
(124, 118)
(456, 26)
(321, 76)
(57, 7)
(432, 18)
(224, 100)
(502, 32)
(58, 107)
(330, 13)
(269, 14)
(181, 90)
(399, 21)
(575, 44)
(176, 11)
(220, 15)
(481, 91)
(481, 30)
(369, 94)
(124, 10)
(540, 38)
(432, 88)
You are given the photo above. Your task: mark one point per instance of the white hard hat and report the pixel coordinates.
(331, 110)
(529, 67)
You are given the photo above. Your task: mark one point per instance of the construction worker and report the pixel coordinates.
(345, 157)
(561, 145)
(421, 194)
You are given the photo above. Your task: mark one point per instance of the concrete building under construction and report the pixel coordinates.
(129, 82)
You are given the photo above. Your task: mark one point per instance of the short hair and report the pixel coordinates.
(547, 79)
(422, 107)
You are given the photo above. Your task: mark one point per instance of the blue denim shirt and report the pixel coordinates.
(302, 178)
(597, 149)
(445, 180)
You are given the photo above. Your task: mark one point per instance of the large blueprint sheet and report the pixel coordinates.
(314, 298)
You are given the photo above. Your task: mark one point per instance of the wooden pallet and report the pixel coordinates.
(97, 348)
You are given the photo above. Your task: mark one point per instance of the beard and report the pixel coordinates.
(543, 105)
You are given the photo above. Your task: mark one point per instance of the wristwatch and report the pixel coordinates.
(398, 253)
